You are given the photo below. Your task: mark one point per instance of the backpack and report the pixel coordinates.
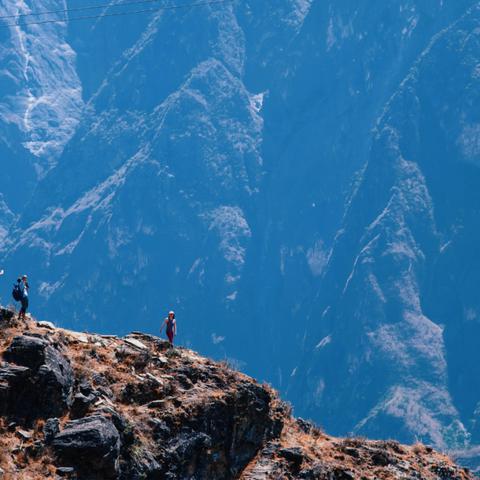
(17, 293)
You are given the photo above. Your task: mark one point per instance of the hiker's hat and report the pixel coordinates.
(24, 276)
(171, 312)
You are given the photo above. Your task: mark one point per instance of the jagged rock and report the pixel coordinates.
(136, 343)
(28, 351)
(190, 452)
(142, 465)
(341, 474)
(23, 434)
(322, 472)
(161, 431)
(293, 455)
(50, 429)
(353, 452)
(99, 379)
(156, 404)
(6, 314)
(91, 444)
(65, 471)
(160, 359)
(81, 404)
(316, 472)
(305, 425)
(35, 449)
(445, 472)
(42, 386)
(10, 375)
(48, 325)
(85, 388)
(153, 378)
(143, 392)
(78, 337)
(123, 427)
(11, 426)
(382, 458)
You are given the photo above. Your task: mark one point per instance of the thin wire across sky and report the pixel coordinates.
(25, 16)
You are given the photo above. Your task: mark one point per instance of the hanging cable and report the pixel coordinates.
(77, 9)
(118, 14)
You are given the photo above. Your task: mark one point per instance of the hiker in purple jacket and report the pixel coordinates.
(171, 326)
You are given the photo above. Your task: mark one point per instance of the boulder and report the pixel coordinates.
(47, 325)
(91, 445)
(293, 455)
(10, 374)
(141, 466)
(50, 429)
(65, 471)
(189, 452)
(136, 343)
(27, 351)
(382, 458)
(39, 384)
(6, 314)
(81, 404)
(23, 435)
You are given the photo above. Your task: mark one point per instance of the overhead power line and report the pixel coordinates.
(77, 9)
(118, 14)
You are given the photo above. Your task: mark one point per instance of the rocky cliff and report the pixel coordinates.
(86, 406)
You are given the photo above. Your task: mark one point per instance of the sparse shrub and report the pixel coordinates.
(141, 361)
(172, 353)
(418, 448)
(62, 338)
(355, 441)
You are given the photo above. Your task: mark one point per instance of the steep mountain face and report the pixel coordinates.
(349, 60)
(90, 407)
(397, 307)
(298, 182)
(41, 99)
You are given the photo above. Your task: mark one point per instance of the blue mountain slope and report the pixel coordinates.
(397, 307)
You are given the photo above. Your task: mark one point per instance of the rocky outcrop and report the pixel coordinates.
(92, 444)
(36, 381)
(91, 407)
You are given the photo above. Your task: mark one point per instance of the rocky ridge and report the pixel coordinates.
(85, 406)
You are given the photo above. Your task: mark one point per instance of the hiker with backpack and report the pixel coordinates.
(20, 294)
(171, 326)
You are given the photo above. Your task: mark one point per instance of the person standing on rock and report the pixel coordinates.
(171, 326)
(24, 299)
